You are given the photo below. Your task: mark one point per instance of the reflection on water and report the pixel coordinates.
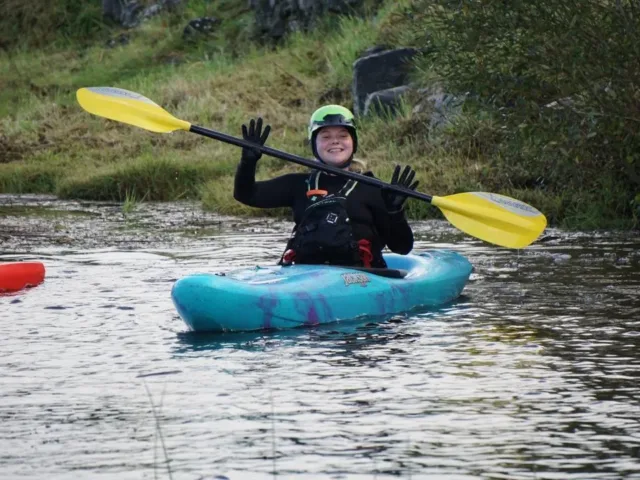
(531, 374)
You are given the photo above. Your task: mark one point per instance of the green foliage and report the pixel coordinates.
(148, 178)
(80, 23)
(28, 178)
(552, 86)
(38, 23)
(130, 202)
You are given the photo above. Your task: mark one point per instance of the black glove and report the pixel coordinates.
(254, 134)
(394, 201)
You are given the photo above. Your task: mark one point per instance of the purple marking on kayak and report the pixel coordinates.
(315, 309)
(306, 295)
(267, 303)
(401, 291)
(381, 300)
(312, 317)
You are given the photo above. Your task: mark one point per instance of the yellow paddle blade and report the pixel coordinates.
(493, 218)
(129, 107)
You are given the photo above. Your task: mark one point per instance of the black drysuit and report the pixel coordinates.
(365, 206)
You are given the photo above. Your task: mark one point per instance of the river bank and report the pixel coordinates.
(573, 162)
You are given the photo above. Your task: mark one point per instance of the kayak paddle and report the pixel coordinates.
(491, 217)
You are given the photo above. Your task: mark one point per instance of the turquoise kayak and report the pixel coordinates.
(276, 297)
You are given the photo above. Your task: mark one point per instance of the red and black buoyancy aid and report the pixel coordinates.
(324, 234)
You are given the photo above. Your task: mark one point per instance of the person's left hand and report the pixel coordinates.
(254, 134)
(393, 200)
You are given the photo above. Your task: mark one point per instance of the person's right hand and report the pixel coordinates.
(254, 134)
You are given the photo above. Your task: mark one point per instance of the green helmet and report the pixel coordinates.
(332, 116)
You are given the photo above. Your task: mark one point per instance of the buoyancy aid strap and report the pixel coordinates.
(314, 192)
(351, 184)
(313, 186)
(364, 247)
(314, 179)
(287, 257)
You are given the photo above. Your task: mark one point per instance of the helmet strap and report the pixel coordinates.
(345, 164)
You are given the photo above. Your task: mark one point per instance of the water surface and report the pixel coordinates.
(532, 374)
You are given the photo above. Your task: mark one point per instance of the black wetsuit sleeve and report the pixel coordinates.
(393, 229)
(399, 236)
(277, 192)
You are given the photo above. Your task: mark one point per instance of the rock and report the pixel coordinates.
(113, 9)
(118, 41)
(380, 71)
(199, 28)
(276, 18)
(130, 13)
(561, 104)
(440, 106)
(373, 50)
(385, 102)
(158, 7)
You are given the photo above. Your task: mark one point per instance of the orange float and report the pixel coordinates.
(18, 275)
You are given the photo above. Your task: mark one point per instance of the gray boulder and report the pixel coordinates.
(434, 104)
(380, 71)
(277, 18)
(373, 50)
(122, 12)
(130, 13)
(439, 106)
(385, 102)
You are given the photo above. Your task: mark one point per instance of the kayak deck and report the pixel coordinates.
(277, 297)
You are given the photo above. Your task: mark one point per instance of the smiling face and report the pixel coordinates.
(334, 145)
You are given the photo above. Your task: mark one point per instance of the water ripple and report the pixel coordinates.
(532, 374)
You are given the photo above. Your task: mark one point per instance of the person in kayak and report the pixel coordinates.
(338, 221)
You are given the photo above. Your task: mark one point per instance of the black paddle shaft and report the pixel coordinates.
(240, 142)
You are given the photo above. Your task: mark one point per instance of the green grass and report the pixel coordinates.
(48, 144)
(43, 212)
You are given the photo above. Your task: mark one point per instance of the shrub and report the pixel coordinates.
(561, 80)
